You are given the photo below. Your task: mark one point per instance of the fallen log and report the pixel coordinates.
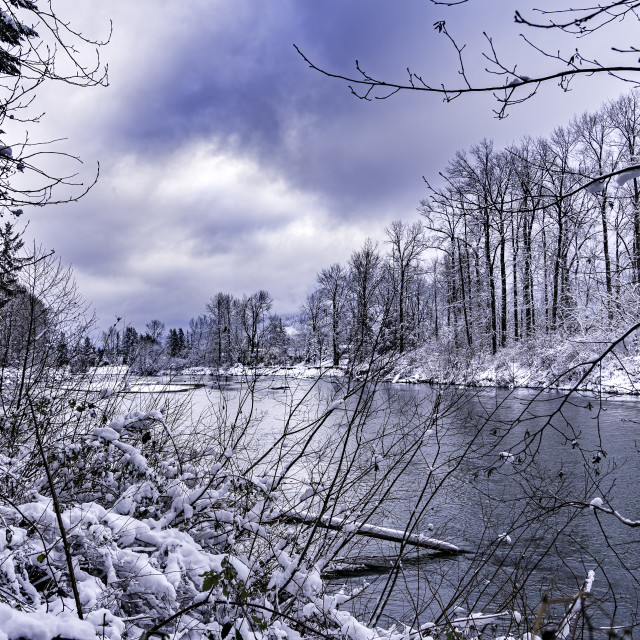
(373, 531)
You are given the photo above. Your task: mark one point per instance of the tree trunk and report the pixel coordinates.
(492, 284)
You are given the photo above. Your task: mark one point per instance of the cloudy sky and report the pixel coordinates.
(226, 164)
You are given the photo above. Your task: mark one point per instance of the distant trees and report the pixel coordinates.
(252, 314)
(220, 336)
(155, 330)
(176, 343)
(538, 239)
(232, 330)
(364, 280)
(314, 315)
(407, 244)
(12, 261)
(44, 324)
(379, 302)
(331, 295)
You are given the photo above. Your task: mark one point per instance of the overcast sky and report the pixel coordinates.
(226, 164)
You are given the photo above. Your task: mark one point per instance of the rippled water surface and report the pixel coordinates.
(508, 475)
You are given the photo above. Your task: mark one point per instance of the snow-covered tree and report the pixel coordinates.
(12, 260)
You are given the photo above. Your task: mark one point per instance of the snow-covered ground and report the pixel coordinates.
(300, 370)
(538, 364)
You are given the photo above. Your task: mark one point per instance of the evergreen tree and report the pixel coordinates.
(277, 340)
(173, 342)
(62, 351)
(130, 341)
(86, 356)
(11, 263)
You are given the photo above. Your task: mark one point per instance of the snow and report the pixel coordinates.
(537, 364)
(298, 371)
(628, 174)
(596, 502)
(596, 187)
(519, 80)
(565, 627)
(337, 404)
(39, 625)
(107, 433)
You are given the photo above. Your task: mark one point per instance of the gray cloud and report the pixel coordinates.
(228, 165)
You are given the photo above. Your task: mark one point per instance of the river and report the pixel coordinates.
(507, 475)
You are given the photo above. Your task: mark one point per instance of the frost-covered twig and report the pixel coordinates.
(596, 505)
(567, 627)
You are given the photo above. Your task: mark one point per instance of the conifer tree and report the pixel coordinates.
(11, 262)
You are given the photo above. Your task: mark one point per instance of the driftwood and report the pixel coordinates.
(374, 531)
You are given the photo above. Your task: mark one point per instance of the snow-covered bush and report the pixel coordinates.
(156, 544)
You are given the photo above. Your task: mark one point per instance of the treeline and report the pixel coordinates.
(525, 249)
(232, 330)
(539, 239)
(380, 301)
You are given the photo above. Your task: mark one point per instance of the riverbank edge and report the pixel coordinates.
(533, 367)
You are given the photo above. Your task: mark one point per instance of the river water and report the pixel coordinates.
(507, 475)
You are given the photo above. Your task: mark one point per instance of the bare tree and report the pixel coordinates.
(407, 244)
(505, 77)
(38, 45)
(220, 311)
(333, 284)
(253, 315)
(155, 328)
(364, 281)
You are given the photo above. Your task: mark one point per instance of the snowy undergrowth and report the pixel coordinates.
(556, 363)
(159, 547)
(541, 363)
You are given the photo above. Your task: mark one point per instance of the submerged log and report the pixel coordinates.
(374, 531)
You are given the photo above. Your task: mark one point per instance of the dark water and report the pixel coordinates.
(579, 448)
(494, 463)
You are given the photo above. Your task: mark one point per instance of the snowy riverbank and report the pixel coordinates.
(536, 364)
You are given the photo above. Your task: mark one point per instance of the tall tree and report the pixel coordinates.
(333, 288)
(155, 329)
(253, 313)
(11, 262)
(220, 311)
(407, 243)
(363, 281)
